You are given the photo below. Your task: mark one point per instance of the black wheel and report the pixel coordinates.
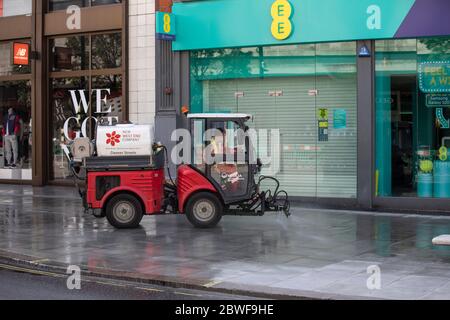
(204, 210)
(124, 211)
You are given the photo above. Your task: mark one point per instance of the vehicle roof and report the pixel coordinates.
(219, 115)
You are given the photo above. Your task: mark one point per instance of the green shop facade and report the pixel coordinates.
(359, 90)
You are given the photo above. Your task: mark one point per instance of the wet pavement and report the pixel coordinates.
(317, 253)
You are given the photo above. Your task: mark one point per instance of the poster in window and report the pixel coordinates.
(63, 58)
(21, 54)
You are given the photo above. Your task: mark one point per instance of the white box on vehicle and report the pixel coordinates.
(124, 140)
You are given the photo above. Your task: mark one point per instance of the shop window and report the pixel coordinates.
(70, 53)
(15, 122)
(112, 109)
(306, 92)
(68, 120)
(54, 5)
(71, 118)
(15, 7)
(85, 72)
(15, 116)
(6, 61)
(103, 2)
(64, 4)
(413, 118)
(106, 51)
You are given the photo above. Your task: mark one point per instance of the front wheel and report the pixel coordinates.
(204, 210)
(124, 211)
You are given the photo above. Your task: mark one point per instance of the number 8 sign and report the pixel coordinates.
(165, 26)
(166, 23)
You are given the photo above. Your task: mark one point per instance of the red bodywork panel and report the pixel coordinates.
(146, 184)
(188, 182)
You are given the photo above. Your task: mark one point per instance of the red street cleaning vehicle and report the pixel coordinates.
(121, 175)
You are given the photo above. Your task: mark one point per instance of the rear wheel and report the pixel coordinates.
(204, 210)
(124, 211)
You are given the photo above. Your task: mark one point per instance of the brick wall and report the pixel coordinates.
(164, 5)
(141, 61)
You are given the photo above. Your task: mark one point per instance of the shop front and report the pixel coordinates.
(56, 82)
(85, 87)
(16, 147)
(412, 100)
(359, 91)
(290, 88)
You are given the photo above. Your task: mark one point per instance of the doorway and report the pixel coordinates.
(403, 98)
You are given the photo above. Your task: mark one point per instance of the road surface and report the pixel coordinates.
(22, 283)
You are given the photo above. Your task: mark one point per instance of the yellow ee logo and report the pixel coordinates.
(281, 12)
(166, 26)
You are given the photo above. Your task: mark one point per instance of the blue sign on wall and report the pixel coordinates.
(364, 51)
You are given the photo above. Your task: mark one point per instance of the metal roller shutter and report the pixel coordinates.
(337, 158)
(307, 167)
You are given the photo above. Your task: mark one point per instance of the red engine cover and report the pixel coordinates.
(188, 182)
(148, 185)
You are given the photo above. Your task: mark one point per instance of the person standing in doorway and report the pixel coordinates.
(10, 131)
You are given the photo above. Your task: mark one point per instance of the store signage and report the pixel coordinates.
(434, 100)
(81, 105)
(434, 76)
(165, 26)
(245, 23)
(21, 54)
(281, 13)
(445, 124)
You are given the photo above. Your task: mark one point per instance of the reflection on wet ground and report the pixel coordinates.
(323, 251)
